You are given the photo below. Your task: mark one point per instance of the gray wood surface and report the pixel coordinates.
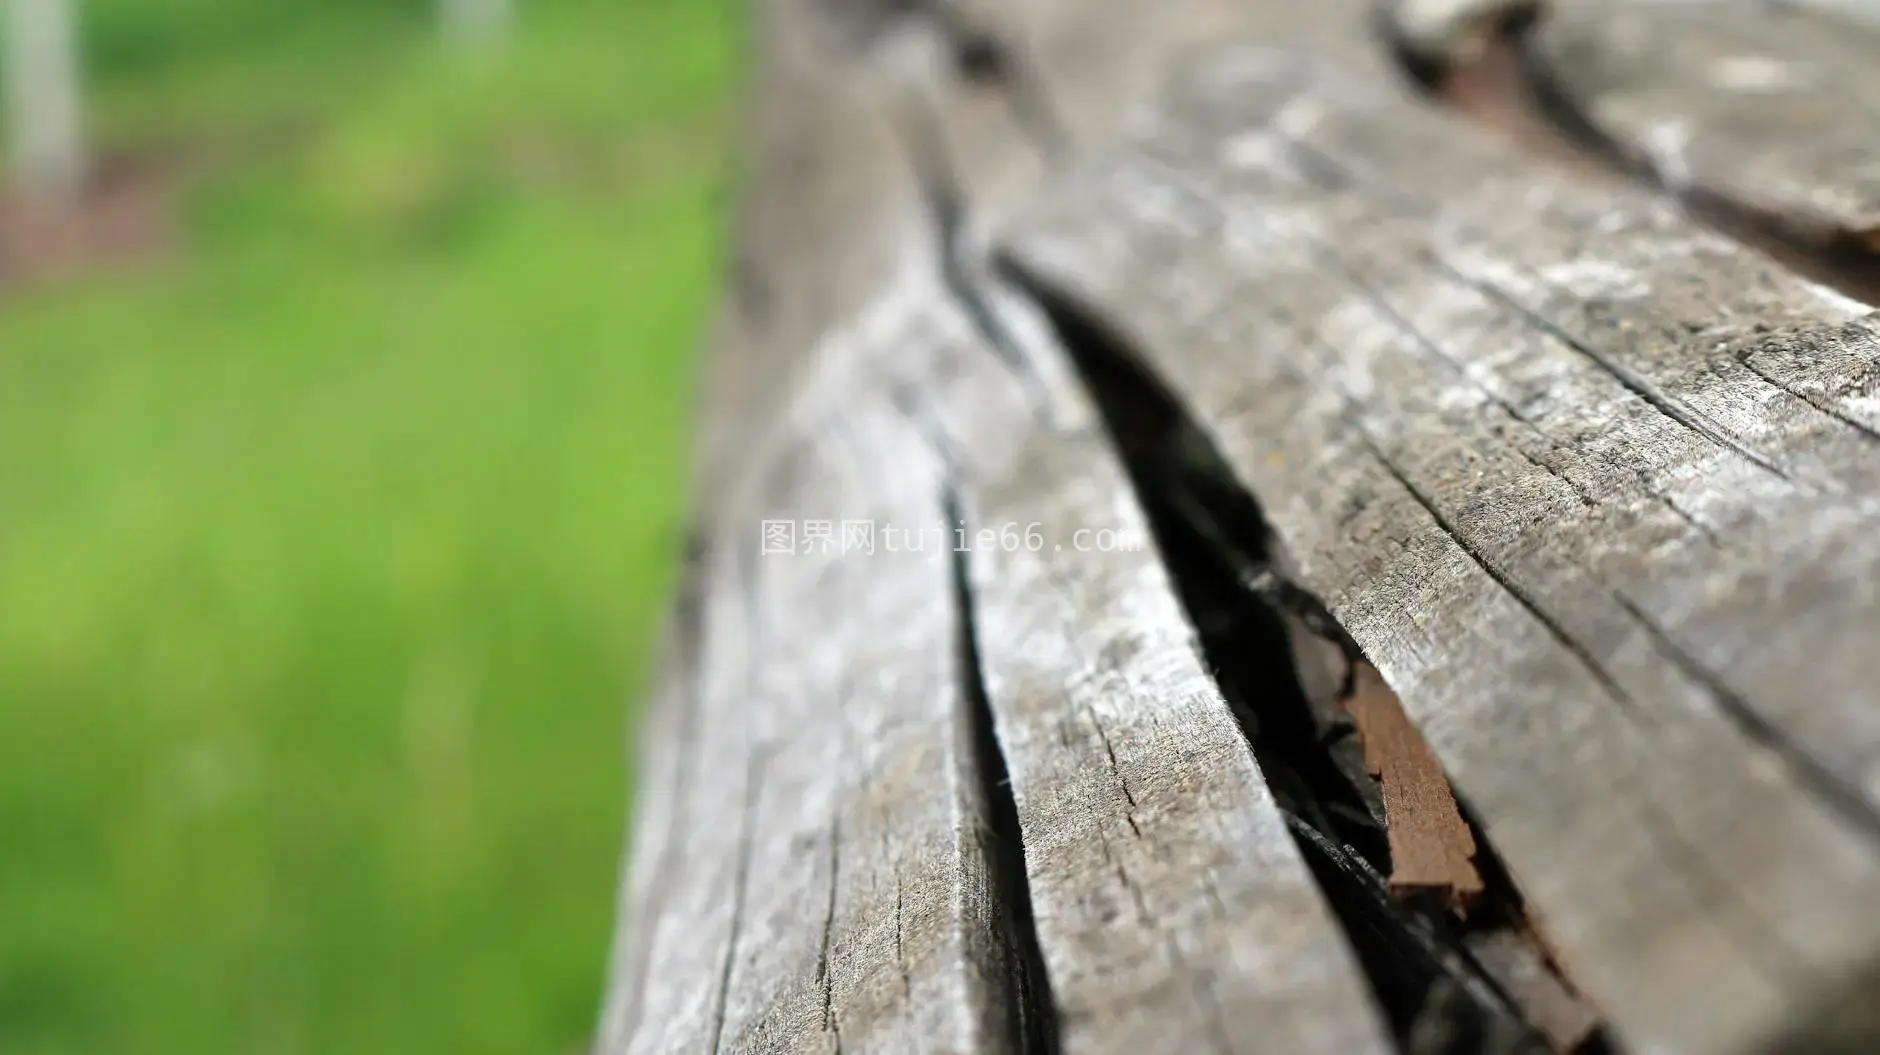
(820, 864)
(1593, 488)
(1775, 104)
(1172, 908)
(811, 869)
(1510, 437)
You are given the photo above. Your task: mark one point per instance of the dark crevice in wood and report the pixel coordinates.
(1837, 793)
(1215, 540)
(1034, 1012)
(939, 186)
(981, 58)
(824, 976)
(1497, 77)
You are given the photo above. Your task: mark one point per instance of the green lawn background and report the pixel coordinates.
(332, 541)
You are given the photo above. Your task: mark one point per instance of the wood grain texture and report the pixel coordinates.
(669, 729)
(1775, 104)
(830, 889)
(1591, 486)
(1173, 910)
(815, 869)
(870, 925)
(1172, 907)
(1505, 426)
(816, 875)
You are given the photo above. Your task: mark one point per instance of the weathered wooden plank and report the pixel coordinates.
(828, 204)
(1100, 67)
(864, 773)
(1098, 70)
(832, 888)
(870, 818)
(827, 886)
(1230, 918)
(831, 882)
(1773, 104)
(1503, 424)
(1173, 910)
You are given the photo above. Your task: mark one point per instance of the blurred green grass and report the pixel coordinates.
(331, 543)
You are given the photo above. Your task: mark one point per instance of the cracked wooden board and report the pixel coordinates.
(1773, 104)
(871, 923)
(765, 913)
(819, 873)
(831, 888)
(847, 772)
(1510, 436)
(816, 878)
(1173, 911)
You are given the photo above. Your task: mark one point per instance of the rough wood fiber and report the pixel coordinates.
(817, 865)
(1588, 484)
(871, 924)
(1173, 910)
(668, 960)
(831, 886)
(1507, 427)
(1772, 103)
(1432, 850)
(1172, 907)
(818, 877)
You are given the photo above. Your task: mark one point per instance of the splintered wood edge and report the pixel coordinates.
(1432, 849)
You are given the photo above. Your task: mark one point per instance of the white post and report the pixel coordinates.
(44, 99)
(477, 21)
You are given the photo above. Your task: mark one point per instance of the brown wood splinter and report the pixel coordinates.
(1432, 850)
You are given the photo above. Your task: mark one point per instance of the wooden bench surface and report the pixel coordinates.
(1323, 528)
